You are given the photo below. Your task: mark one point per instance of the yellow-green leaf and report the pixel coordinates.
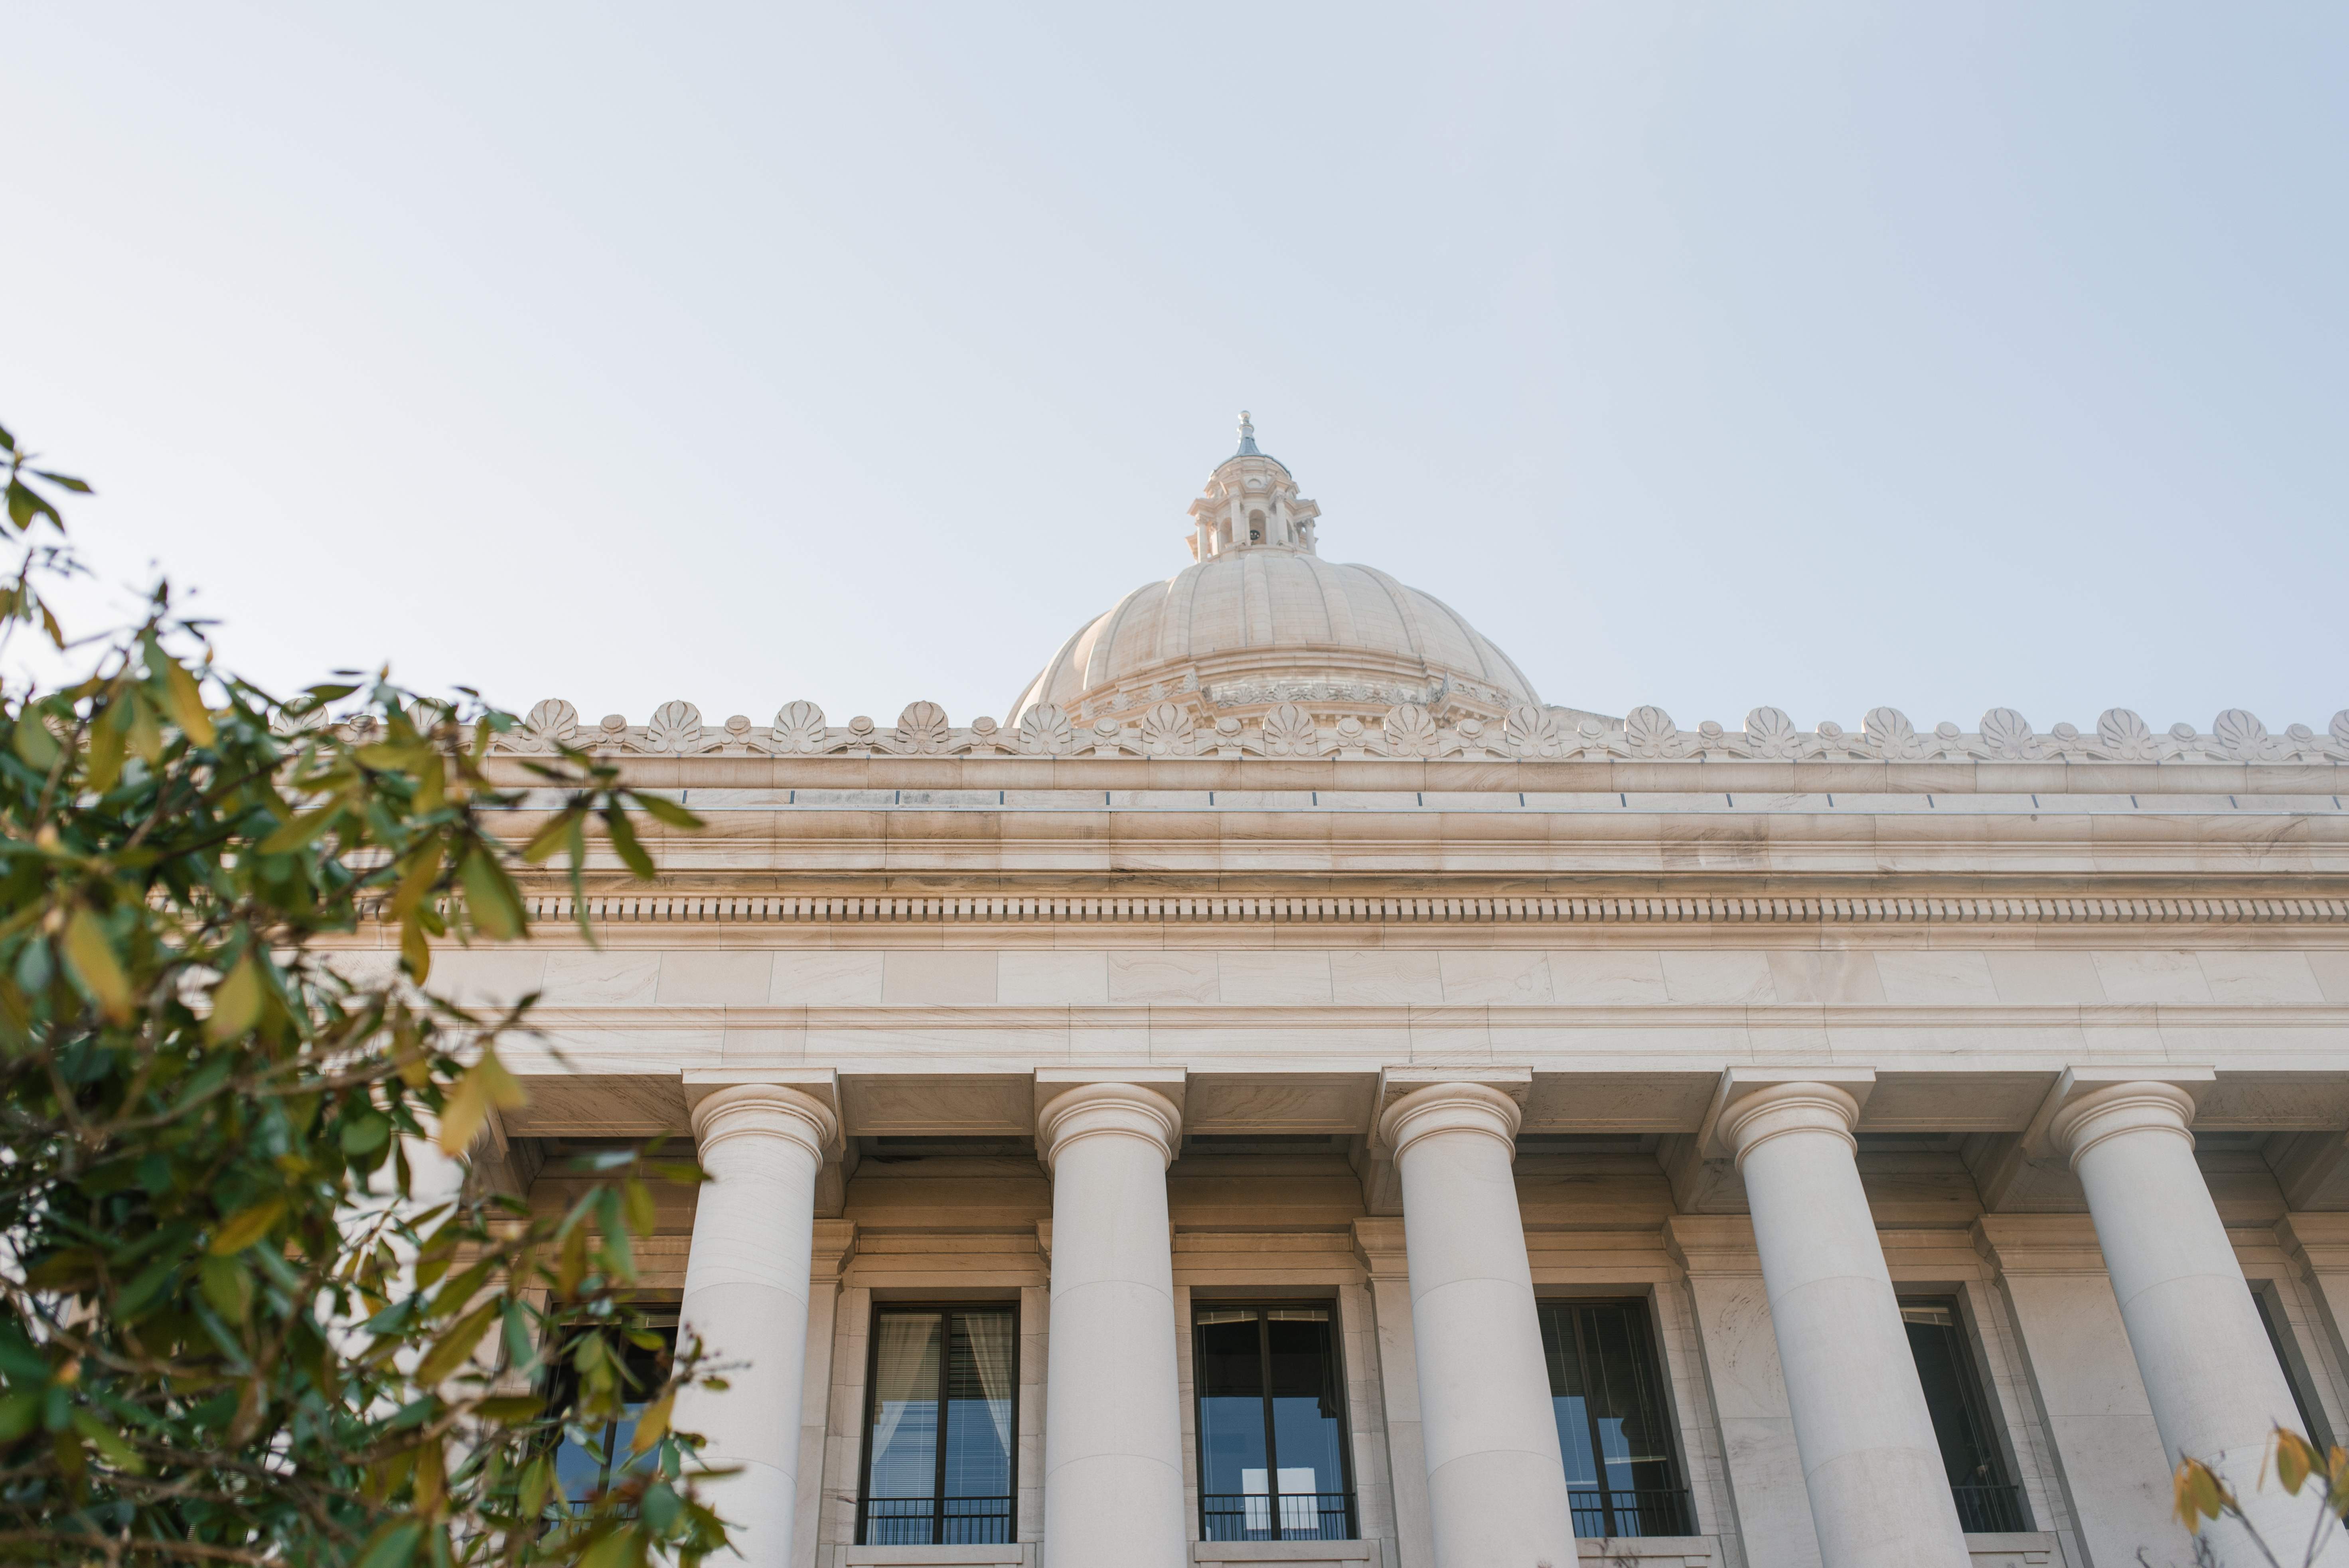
(636, 1204)
(188, 703)
(236, 1003)
(492, 897)
(92, 959)
(551, 837)
(452, 1350)
(105, 750)
(416, 881)
(246, 1226)
(653, 1425)
(414, 951)
(2293, 1459)
(660, 809)
(486, 1085)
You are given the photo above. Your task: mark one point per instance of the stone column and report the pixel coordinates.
(1880, 1497)
(1112, 1419)
(1495, 1480)
(745, 1294)
(2212, 1378)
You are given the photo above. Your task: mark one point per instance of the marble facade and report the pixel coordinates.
(1757, 1027)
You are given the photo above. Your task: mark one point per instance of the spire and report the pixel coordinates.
(1247, 439)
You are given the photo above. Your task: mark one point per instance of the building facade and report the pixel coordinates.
(1291, 1095)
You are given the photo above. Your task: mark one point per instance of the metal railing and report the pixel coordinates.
(1997, 1506)
(934, 1522)
(1291, 1516)
(1658, 1511)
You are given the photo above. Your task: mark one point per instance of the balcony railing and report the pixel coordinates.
(1642, 1512)
(934, 1522)
(1292, 1516)
(1994, 1506)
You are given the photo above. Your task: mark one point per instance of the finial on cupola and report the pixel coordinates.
(1247, 439)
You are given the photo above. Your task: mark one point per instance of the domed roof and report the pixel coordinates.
(1266, 620)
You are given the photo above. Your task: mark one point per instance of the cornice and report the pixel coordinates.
(1807, 1017)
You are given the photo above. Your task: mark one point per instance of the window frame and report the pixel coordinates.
(938, 1498)
(1644, 1307)
(1262, 1304)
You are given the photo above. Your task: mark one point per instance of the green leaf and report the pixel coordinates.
(228, 1286)
(105, 750)
(623, 840)
(18, 1412)
(91, 957)
(108, 1441)
(34, 742)
(394, 1545)
(301, 829)
(74, 485)
(246, 1226)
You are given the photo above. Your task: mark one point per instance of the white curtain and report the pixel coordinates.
(990, 1334)
(904, 1373)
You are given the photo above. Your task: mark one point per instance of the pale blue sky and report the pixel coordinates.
(1820, 356)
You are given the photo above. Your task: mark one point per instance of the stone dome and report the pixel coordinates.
(1260, 618)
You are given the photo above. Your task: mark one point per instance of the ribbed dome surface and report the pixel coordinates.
(1276, 615)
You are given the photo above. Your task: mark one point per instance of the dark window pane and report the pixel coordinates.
(1942, 1371)
(1625, 1400)
(1306, 1429)
(1565, 1398)
(1230, 1371)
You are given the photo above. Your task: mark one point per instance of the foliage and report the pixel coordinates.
(241, 1326)
(2200, 1494)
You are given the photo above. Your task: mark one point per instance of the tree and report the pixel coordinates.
(239, 1327)
(2200, 1493)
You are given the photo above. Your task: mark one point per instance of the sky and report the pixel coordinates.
(1820, 356)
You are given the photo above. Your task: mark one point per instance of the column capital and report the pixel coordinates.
(2139, 1105)
(1776, 1109)
(1451, 1107)
(1741, 1085)
(764, 1110)
(1107, 1108)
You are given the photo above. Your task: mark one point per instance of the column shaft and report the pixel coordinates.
(1112, 1419)
(1495, 1478)
(1879, 1497)
(745, 1294)
(2210, 1373)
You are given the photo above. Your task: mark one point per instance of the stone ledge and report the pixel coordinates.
(2016, 1549)
(1651, 1550)
(1333, 1554)
(1018, 1554)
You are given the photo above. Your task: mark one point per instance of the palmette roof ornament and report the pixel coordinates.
(1409, 731)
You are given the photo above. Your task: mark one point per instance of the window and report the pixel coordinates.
(1272, 1426)
(589, 1458)
(939, 1442)
(1607, 1392)
(1986, 1499)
